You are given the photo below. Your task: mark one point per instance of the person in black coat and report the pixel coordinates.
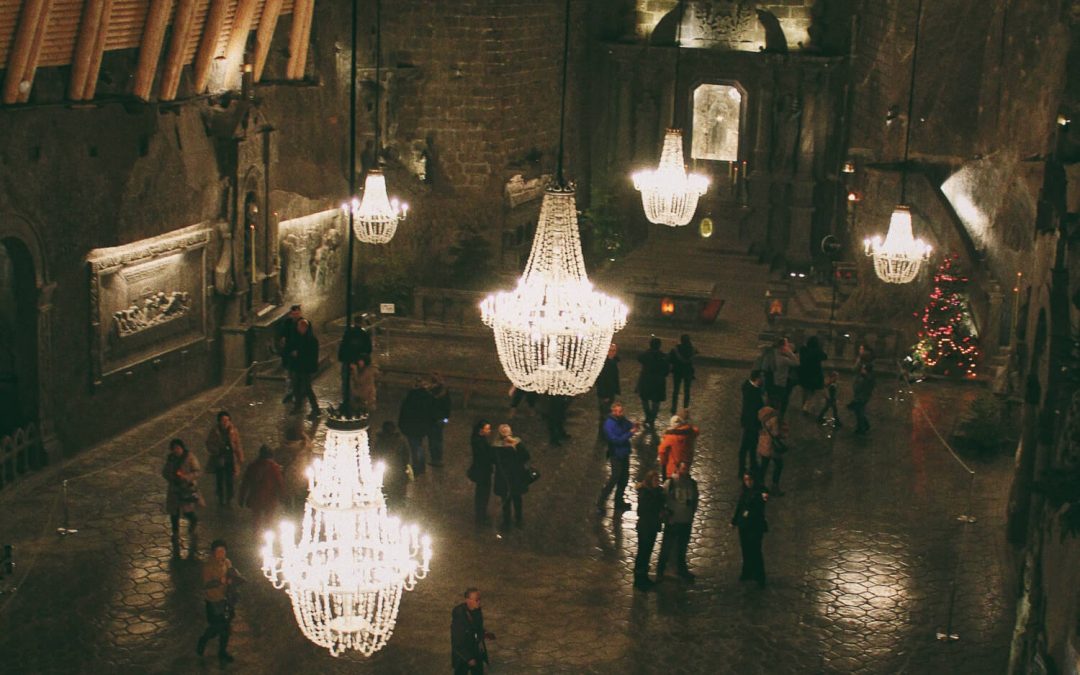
(749, 518)
(303, 364)
(607, 387)
(652, 382)
(753, 400)
(440, 417)
(355, 345)
(556, 411)
(284, 335)
(682, 371)
(511, 476)
(391, 448)
(415, 419)
(811, 371)
(650, 510)
(468, 651)
(483, 462)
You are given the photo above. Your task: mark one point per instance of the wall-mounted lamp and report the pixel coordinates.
(849, 166)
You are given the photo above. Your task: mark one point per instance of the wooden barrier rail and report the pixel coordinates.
(20, 453)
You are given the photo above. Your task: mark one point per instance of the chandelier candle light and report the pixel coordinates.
(553, 331)
(898, 258)
(346, 573)
(669, 194)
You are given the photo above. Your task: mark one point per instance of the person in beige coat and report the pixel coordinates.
(225, 453)
(771, 448)
(363, 384)
(181, 471)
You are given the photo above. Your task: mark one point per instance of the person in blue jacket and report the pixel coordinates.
(617, 432)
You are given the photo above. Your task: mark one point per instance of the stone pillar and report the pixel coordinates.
(760, 180)
(801, 222)
(991, 339)
(49, 440)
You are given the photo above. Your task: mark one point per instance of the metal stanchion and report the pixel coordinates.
(65, 529)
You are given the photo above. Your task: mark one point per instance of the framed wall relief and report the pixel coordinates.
(717, 122)
(147, 299)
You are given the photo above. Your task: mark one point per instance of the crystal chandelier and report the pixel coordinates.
(552, 332)
(346, 573)
(376, 216)
(899, 257)
(670, 194)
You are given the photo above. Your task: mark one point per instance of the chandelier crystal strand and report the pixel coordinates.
(552, 332)
(376, 216)
(669, 194)
(346, 573)
(899, 257)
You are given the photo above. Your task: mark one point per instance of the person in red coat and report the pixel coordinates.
(677, 444)
(263, 488)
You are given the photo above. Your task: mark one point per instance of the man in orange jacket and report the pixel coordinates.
(677, 444)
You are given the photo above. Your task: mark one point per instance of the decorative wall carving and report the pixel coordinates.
(147, 298)
(722, 22)
(520, 191)
(311, 252)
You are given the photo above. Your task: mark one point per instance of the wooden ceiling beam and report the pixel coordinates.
(299, 38)
(84, 47)
(26, 34)
(234, 48)
(35, 53)
(97, 52)
(174, 58)
(153, 37)
(265, 34)
(204, 56)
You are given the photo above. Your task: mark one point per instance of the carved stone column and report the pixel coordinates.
(760, 180)
(49, 440)
(991, 342)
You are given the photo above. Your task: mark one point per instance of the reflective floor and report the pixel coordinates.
(863, 554)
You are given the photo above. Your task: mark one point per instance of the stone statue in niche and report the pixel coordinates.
(786, 118)
(223, 278)
(417, 160)
(775, 41)
(155, 309)
(310, 253)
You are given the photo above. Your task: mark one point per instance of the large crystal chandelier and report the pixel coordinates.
(899, 257)
(376, 216)
(670, 194)
(552, 332)
(346, 572)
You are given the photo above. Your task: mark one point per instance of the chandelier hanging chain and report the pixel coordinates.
(378, 80)
(560, 179)
(352, 173)
(910, 104)
(678, 55)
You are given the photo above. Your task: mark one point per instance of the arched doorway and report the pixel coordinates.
(19, 384)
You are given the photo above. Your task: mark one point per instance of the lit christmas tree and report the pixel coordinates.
(948, 342)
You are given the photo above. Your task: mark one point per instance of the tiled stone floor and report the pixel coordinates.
(861, 555)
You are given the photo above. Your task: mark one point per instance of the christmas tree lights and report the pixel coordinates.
(948, 342)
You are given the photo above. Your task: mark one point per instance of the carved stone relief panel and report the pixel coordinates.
(717, 121)
(312, 252)
(147, 299)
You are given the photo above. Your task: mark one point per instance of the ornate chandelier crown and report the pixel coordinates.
(669, 194)
(899, 257)
(346, 572)
(553, 330)
(376, 216)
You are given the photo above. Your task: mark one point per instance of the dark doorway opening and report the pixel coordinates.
(18, 337)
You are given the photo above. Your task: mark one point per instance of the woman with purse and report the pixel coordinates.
(512, 475)
(771, 447)
(181, 471)
(483, 461)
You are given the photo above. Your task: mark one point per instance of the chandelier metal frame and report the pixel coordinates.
(898, 257)
(553, 330)
(346, 572)
(669, 193)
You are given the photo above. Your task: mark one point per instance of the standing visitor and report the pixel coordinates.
(830, 401)
(617, 431)
(753, 399)
(749, 518)
(468, 649)
(304, 360)
(517, 395)
(650, 512)
(677, 445)
(391, 448)
(682, 371)
(218, 576)
(286, 333)
(557, 407)
(652, 381)
(607, 387)
(511, 475)
(181, 471)
(355, 345)
(440, 417)
(483, 463)
(681, 502)
(771, 448)
(415, 421)
(295, 455)
(226, 454)
(263, 489)
(811, 372)
(862, 388)
(363, 385)
(780, 365)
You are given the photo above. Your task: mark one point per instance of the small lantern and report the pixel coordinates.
(706, 228)
(667, 306)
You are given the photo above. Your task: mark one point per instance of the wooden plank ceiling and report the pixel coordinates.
(168, 33)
